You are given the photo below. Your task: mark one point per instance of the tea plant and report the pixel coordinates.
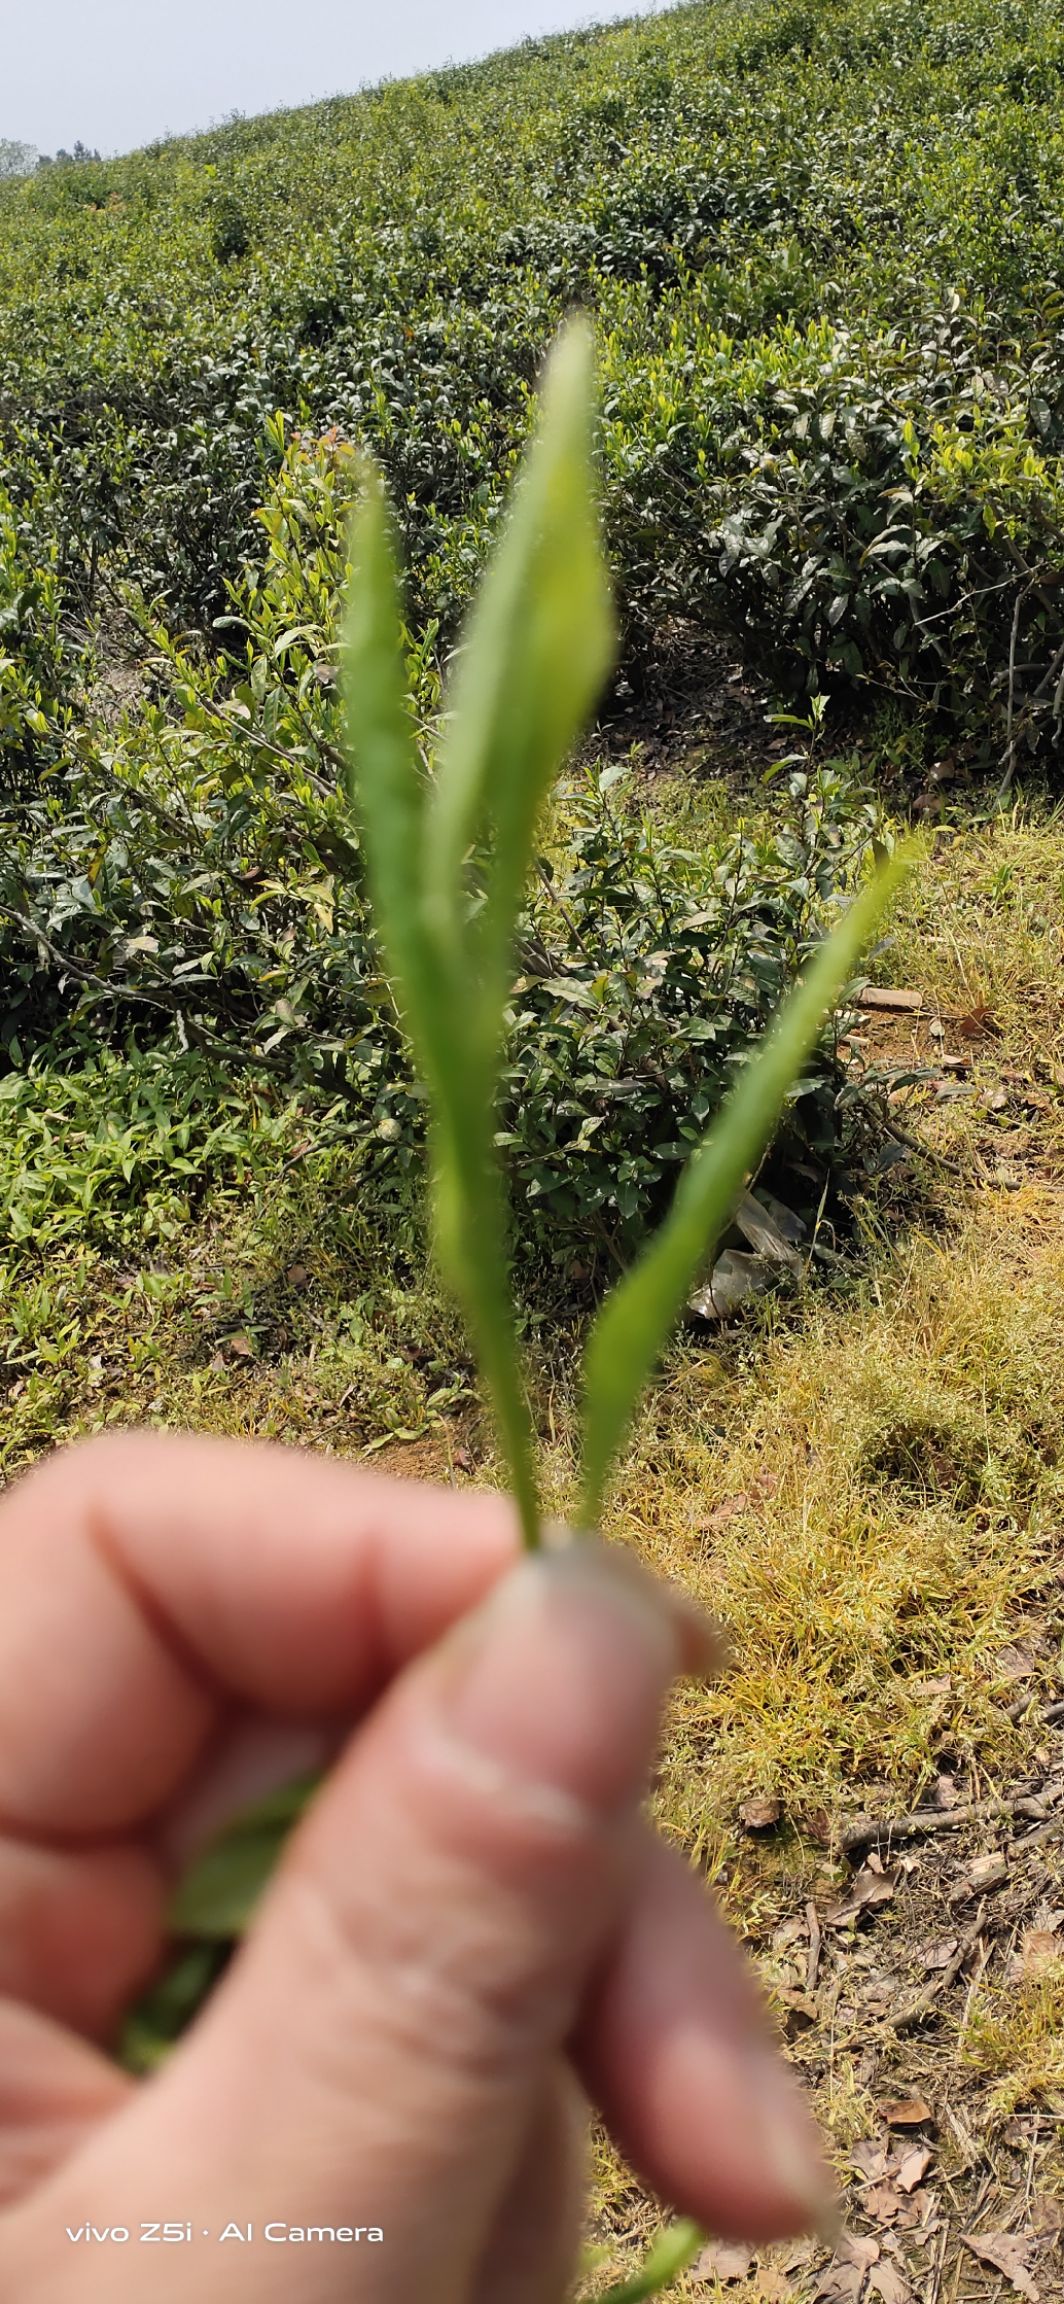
(448, 856)
(448, 860)
(195, 877)
(830, 324)
(448, 852)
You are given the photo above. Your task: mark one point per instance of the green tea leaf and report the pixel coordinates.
(537, 647)
(216, 1898)
(170, 2004)
(432, 976)
(672, 2252)
(219, 1896)
(637, 1317)
(384, 780)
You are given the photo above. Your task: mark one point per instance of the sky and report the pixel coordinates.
(119, 73)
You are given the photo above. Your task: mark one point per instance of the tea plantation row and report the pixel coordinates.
(825, 250)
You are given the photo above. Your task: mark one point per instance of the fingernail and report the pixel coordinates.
(705, 1645)
(705, 1649)
(561, 1676)
(793, 2153)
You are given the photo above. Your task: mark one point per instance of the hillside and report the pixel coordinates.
(824, 250)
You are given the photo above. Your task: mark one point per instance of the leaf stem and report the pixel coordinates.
(670, 2255)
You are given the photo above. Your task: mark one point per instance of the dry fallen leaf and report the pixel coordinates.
(723, 1513)
(886, 2282)
(799, 2011)
(1021, 1659)
(843, 2279)
(868, 1889)
(761, 1813)
(978, 1023)
(913, 2168)
(840, 2284)
(722, 2260)
(1039, 1950)
(881, 2203)
(1007, 2253)
(907, 2112)
(870, 2157)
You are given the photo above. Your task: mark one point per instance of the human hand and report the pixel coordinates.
(473, 1930)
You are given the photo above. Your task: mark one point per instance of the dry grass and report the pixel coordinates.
(871, 1494)
(1014, 2037)
(864, 1506)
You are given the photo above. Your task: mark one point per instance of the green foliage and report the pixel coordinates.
(823, 250)
(217, 1896)
(194, 880)
(648, 972)
(639, 1314)
(670, 2255)
(16, 159)
(119, 1150)
(36, 664)
(230, 231)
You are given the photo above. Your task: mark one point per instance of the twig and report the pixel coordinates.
(1042, 1829)
(816, 1938)
(1008, 762)
(974, 1982)
(1018, 1711)
(935, 2289)
(875, 1831)
(920, 2005)
(197, 1035)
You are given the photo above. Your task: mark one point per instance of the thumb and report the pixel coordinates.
(381, 2046)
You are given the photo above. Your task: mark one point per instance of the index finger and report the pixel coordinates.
(151, 1583)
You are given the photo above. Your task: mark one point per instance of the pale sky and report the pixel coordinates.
(118, 73)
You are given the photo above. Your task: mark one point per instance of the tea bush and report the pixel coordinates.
(664, 967)
(823, 252)
(194, 880)
(36, 662)
(824, 249)
(881, 515)
(118, 1150)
